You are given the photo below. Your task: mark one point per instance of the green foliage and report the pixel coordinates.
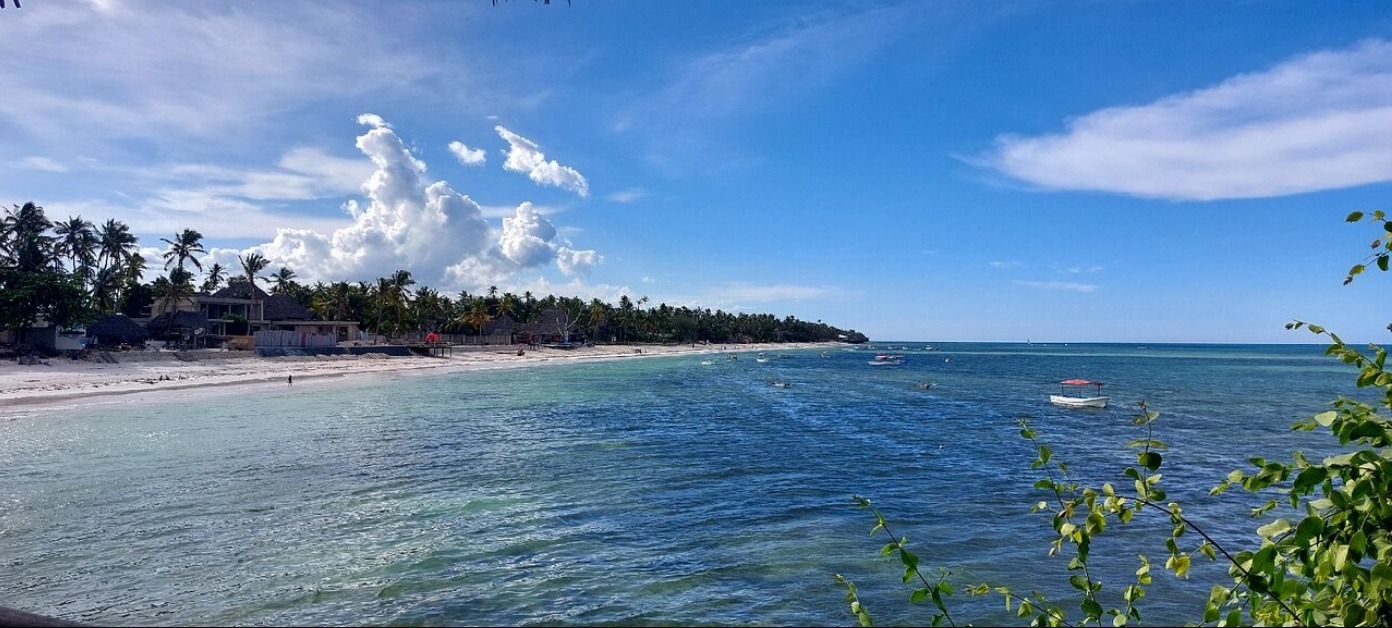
(1382, 245)
(1327, 564)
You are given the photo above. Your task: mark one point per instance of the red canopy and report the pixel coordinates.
(1080, 382)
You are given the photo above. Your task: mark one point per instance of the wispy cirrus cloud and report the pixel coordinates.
(782, 63)
(806, 54)
(215, 68)
(1004, 264)
(34, 162)
(1317, 122)
(1058, 285)
(628, 196)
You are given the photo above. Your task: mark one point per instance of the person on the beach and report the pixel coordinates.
(290, 380)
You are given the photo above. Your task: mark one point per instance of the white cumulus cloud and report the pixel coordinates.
(467, 156)
(1318, 122)
(525, 156)
(526, 237)
(406, 221)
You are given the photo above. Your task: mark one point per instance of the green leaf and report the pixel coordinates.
(1354, 217)
(1358, 544)
(1309, 528)
(1309, 479)
(918, 596)
(1149, 460)
(1092, 609)
(1381, 577)
(1265, 558)
(1275, 528)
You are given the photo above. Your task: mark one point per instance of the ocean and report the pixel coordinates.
(651, 491)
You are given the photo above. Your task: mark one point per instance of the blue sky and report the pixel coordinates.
(1053, 171)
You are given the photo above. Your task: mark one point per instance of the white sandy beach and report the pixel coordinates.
(65, 381)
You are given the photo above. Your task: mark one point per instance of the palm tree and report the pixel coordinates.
(216, 276)
(340, 299)
(78, 240)
(401, 295)
(508, 306)
(252, 264)
(383, 292)
(626, 313)
(115, 243)
(181, 249)
(28, 247)
(106, 289)
(597, 312)
(478, 315)
(284, 279)
(528, 306)
(133, 268)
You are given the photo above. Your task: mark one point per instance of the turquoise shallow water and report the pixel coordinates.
(655, 491)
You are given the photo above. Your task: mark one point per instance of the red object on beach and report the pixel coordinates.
(432, 338)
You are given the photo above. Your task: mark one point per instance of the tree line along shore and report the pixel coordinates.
(67, 273)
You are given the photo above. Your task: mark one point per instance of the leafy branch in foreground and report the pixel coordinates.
(899, 545)
(1331, 567)
(1382, 246)
(1327, 564)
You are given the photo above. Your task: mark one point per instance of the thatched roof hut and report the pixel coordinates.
(175, 323)
(114, 329)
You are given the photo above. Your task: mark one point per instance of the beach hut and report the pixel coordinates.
(116, 329)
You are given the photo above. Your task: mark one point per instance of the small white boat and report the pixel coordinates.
(1079, 399)
(762, 359)
(886, 359)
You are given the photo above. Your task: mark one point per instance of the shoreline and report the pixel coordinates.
(79, 382)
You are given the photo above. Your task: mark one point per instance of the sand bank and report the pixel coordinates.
(65, 381)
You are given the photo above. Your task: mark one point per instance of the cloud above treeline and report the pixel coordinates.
(1317, 122)
(407, 221)
(526, 157)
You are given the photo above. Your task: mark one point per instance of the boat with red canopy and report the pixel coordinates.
(1079, 398)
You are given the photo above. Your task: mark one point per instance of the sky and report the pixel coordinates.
(934, 171)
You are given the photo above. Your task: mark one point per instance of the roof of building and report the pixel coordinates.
(238, 290)
(501, 325)
(278, 307)
(170, 321)
(551, 321)
(118, 328)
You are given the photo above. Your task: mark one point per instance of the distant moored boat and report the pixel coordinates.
(1079, 400)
